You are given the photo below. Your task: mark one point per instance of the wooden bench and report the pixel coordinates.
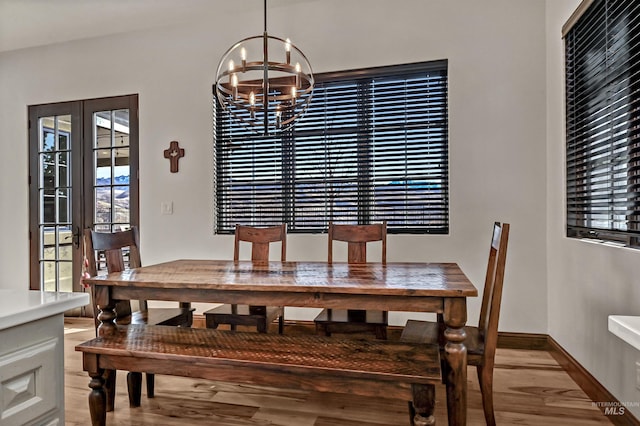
(376, 368)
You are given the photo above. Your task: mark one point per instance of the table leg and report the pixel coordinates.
(455, 318)
(107, 314)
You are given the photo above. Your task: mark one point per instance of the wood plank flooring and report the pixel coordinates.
(530, 389)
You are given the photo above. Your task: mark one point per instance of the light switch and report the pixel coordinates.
(166, 207)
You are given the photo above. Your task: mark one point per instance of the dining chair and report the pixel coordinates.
(251, 315)
(115, 247)
(350, 320)
(481, 341)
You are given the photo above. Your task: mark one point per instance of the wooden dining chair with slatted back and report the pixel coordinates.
(482, 340)
(115, 247)
(350, 320)
(251, 315)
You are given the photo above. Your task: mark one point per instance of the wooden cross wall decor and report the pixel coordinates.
(174, 153)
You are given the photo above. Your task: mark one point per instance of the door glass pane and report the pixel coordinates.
(54, 202)
(48, 274)
(63, 138)
(47, 247)
(103, 166)
(65, 258)
(121, 204)
(48, 141)
(111, 157)
(103, 204)
(64, 206)
(47, 206)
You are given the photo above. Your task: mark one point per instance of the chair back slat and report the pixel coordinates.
(492, 295)
(260, 252)
(356, 252)
(357, 237)
(260, 239)
(114, 260)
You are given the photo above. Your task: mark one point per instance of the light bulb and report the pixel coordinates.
(234, 84)
(287, 51)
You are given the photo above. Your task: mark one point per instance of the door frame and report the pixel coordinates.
(82, 173)
(35, 112)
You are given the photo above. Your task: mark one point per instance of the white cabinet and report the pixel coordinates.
(32, 356)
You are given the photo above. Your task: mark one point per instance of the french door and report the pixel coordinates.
(83, 173)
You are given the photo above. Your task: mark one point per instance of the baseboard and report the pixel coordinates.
(527, 341)
(618, 414)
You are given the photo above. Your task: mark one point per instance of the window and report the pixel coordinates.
(602, 71)
(372, 147)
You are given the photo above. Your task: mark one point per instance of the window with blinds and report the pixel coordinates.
(372, 147)
(602, 53)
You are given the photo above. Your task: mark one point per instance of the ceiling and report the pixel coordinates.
(30, 23)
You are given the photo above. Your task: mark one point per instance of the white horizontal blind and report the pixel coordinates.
(372, 147)
(603, 121)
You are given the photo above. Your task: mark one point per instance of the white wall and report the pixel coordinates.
(587, 281)
(496, 53)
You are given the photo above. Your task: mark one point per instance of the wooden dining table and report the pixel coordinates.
(410, 287)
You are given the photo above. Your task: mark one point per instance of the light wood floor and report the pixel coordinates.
(530, 389)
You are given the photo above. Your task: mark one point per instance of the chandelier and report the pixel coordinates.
(264, 82)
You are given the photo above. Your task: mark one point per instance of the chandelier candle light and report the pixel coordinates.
(271, 89)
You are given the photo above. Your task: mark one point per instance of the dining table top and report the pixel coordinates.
(374, 278)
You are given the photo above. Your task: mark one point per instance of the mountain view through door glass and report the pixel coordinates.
(112, 170)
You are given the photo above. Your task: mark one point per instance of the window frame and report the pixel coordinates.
(290, 146)
(602, 89)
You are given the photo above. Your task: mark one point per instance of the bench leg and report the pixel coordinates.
(97, 398)
(262, 326)
(151, 381)
(110, 388)
(322, 329)
(210, 321)
(134, 386)
(423, 406)
(381, 332)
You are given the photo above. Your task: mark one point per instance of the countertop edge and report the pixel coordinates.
(626, 328)
(46, 309)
